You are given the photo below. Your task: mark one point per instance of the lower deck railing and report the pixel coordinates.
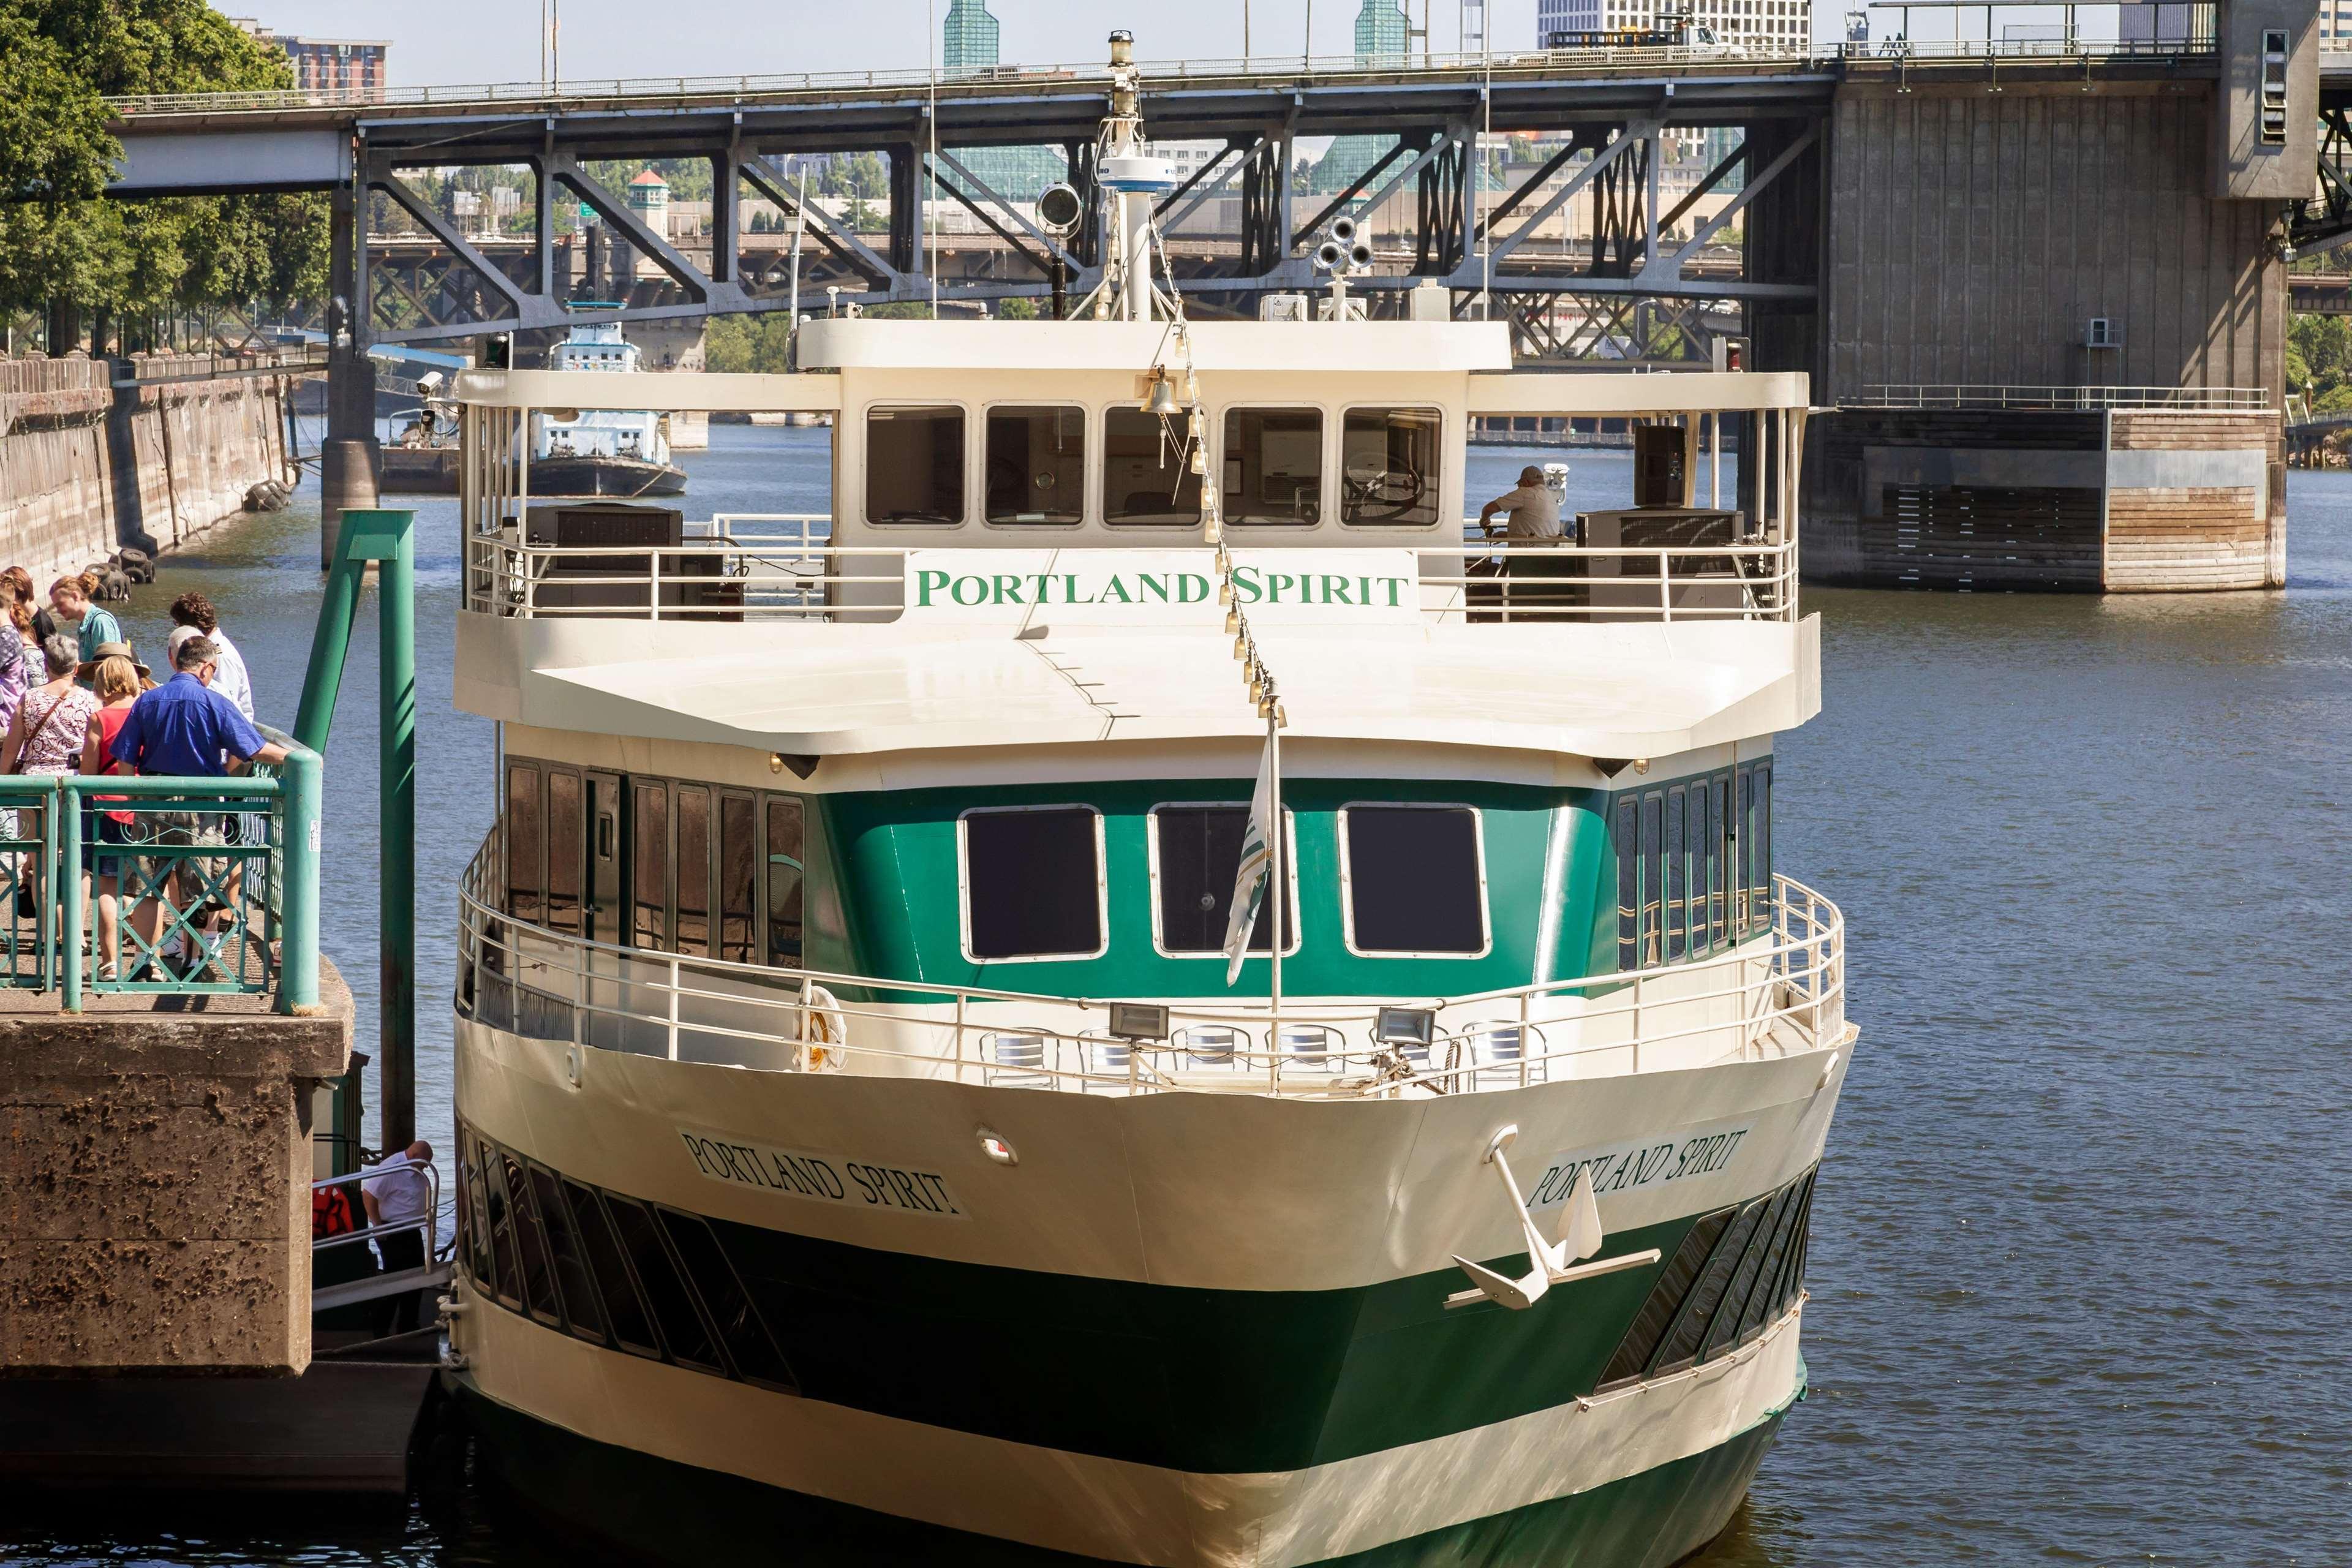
(1781, 993)
(99, 874)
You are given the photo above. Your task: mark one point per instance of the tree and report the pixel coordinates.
(738, 343)
(59, 237)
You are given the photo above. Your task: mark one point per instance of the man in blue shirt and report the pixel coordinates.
(184, 729)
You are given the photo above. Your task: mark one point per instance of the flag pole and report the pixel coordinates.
(1277, 846)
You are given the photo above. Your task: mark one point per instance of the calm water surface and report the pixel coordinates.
(2079, 1260)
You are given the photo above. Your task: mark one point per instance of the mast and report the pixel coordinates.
(1136, 180)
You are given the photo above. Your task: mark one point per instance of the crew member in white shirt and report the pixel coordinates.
(397, 1194)
(1535, 520)
(1535, 510)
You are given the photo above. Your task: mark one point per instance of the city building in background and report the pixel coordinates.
(1382, 36)
(1751, 26)
(968, 46)
(327, 64)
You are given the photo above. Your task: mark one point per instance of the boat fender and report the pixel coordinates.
(822, 1049)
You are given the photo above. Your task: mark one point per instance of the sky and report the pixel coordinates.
(436, 42)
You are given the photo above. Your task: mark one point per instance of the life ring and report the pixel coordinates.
(825, 1038)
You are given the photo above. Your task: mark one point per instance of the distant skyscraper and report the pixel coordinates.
(968, 43)
(1757, 26)
(1382, 37)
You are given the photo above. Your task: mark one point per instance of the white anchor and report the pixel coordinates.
(1549, 1263)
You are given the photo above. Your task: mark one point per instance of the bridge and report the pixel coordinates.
(2052, 214)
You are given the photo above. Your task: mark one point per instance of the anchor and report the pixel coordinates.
(1549, 1263)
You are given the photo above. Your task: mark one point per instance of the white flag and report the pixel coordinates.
(1257, 858)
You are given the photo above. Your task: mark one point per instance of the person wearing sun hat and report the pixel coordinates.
(106, 650)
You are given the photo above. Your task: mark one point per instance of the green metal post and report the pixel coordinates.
(329, 645)
(68, 817)
(396, 741)
(297, 895)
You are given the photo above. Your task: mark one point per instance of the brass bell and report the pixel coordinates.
(1163, 398)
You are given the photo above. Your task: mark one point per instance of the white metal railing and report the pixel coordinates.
(370, 1287)
(2245, 399)
(781, 567)
(1330, 68)
(1782, 991)
(2198, 43)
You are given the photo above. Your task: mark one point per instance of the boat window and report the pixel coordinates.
(1196, 852)
(914, 465)
(1624, 838)
(649, 864)
(693, 874)
(737, 867)
(582, 1310)
(632, 1329)
(1745, 851)
(1792, 1267)
(787, 882)
(1763, 1301)
(1388, 466)
(563, 841)
(1760, 894)
(526, 843)
(1032, 882)
(1657, 1314)
(1273, 466)
(1413, 881)
(507, 1279)
(1719, 851)
(1146, 480)
(682, 1328)
(475, 1205)
(1036, 466)
(1653, 813)
(738, 1323)
(1723, 1333)
(1678, 874)
(538, 1270)
(1681, 1348)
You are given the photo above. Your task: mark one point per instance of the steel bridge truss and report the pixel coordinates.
(1650, 265)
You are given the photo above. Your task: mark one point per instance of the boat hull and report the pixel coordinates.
(1184, 1329)
(667, 1512)
(619, 479)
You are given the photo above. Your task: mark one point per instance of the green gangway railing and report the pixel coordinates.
(229, 866)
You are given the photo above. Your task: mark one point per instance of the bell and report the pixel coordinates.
(1162, 400)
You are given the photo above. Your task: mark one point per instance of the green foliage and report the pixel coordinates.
(739, 343)
(901, 311)
(1017, 309)
(59, 238)
(2319, 357)
(854, 174)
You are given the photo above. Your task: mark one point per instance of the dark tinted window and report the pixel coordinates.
(632, 1329)
(1626, 840)
(526, 843)
(787, 876)
(1413, 880)
(1274, 465)
(474, 1183)
(1657, 1314)
(1698, 1312)
(1036, 468)
(737, 1319)
(1032, 882)
(564, 838)
(649, 864)
(1718, 844)
(1677, 875)
(580, 1307)
(1200, 853)
(1146, 478)
(738, 862)
(1762, 897)
(1653, 812)
(693, 853)
(914, 465)
(538, 1266)
(673, 1305)
(506, 1257)
(1725, 1331)
(1764, 1299)
(1388, 467)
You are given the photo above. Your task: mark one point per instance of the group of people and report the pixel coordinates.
(75, 699)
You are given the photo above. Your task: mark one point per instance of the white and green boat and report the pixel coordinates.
(863, 1153)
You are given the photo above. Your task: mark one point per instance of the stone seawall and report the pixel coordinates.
(87, 467)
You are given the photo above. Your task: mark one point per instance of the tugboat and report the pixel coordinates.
(1128, 997)
(617, 453)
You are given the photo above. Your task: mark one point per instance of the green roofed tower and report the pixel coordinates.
(968, 43)
(1381, 40)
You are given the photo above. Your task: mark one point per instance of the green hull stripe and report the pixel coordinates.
(672, 1512)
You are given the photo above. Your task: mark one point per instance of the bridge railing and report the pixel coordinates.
(2237, 399)
(1273, 68)
(2196, 39)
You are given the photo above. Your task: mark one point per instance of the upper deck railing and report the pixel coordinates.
(1776, 994)
(1676, 564)
(1969, 397)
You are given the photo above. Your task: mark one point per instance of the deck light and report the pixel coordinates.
(1405, 1027)
(1234, 620)
(1139, 1020)
(775, 761)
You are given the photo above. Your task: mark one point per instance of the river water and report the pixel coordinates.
(2080, 1291)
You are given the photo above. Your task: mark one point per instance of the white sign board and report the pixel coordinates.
(1161, 587)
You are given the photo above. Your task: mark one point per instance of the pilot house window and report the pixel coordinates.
(1388, 467)
(1036, 469)
(1414, 882)
(914, 465)
(1146, 480)
(1196, 853)
(1274, 465)
(1032, 882)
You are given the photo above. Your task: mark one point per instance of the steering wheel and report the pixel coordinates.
(1383, 495)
